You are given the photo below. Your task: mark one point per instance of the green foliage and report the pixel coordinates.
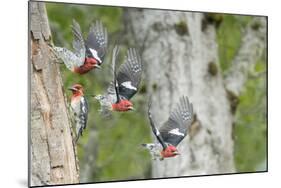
(229, 38)
(61, 16)
(250, 129)
(250, 121)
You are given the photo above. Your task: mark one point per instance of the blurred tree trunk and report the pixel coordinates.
(180, 57)
(88, 165)
(53, 159)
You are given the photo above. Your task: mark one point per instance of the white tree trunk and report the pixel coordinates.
(52, 152)
(180, 58)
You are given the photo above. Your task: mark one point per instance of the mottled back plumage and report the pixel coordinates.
(154, 150)
(76, 58)
(80, 110)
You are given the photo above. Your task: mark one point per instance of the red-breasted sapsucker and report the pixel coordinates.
(172, 132)
(125, 83)
(80, 108)
(87, 55)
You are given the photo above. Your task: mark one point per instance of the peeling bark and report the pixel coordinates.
(52, 152)
(181, 58)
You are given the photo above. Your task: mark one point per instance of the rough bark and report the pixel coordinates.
(52, 152)
(252, 47)
(180, 58)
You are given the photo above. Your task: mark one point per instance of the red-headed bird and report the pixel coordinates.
(172, 132)
(80, 108)
(87, 55)
(125, 83)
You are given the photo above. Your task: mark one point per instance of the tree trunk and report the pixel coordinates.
(52, 153)
(88, 166)
(251, 49)
(180, 58)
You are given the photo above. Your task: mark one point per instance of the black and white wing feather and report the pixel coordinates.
(126, 82)
(96, 43)
(154, 129)
(115, 81)
(129, 74)
(113, 89)
(175, 129)
(78, 43)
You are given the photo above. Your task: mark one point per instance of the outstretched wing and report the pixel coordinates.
(113, 89)
(175, 129)
(78, 43)
(129, 74)
(154, 129)
(115, 82)
(96, 43)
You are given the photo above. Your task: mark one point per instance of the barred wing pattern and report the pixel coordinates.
(96, 43)
(126, 82)
(175, 129)
(129, 74)
(113, 89)
(78, 42)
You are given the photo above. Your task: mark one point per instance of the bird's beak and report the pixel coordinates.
(72, 89)
(131, 108)
(176, 153)
(97, 66)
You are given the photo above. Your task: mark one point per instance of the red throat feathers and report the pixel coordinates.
(122, 106)
(170, 151)
(90, 63)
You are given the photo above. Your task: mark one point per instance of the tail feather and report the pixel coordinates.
(154, 150)
(149, 146)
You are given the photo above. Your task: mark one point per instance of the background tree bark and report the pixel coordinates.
(53, 159)
(88, 166)
(180, 56)
(251, 49)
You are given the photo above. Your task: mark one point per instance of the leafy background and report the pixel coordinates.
(119, 154)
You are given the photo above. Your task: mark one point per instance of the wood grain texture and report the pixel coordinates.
(53, 159)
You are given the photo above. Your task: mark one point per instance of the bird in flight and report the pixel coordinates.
(172, 132)
(87, 54)
(125, 83)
